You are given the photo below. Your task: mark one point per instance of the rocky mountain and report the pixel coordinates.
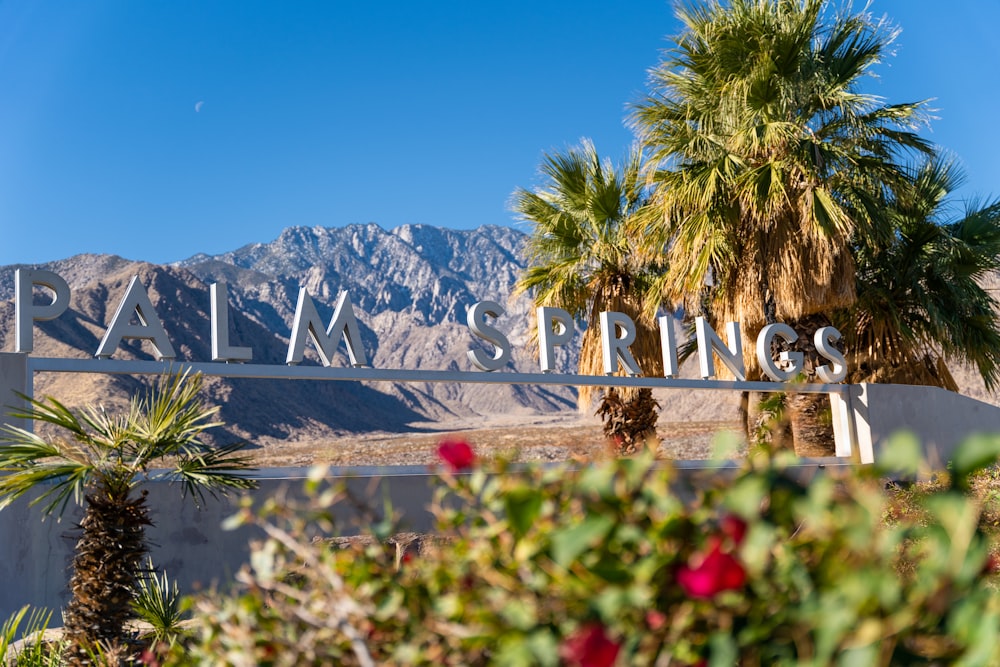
(409, 288)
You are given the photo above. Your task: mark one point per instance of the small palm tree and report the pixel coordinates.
(581, 259)
(921, 299)
(100, 462)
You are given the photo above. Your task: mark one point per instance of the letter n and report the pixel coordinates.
(708, 341)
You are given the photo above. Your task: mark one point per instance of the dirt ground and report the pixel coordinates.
(535, 438)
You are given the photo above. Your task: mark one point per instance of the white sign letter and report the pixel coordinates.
(824, 339)
(791, 360)
(668, 345)
(25, 309)
(135, 303)
(549, 336)
(307, 322)
(615, 349)
(476, 316)
(221, 350)
(709, 341)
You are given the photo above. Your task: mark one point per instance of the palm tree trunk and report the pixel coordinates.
(629, 419)
(809, 414)
(108, 559)
(743, 412)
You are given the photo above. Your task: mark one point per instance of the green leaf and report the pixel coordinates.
(746, 494)
(389, 605)
(544, 647)
(615, 601)
(858, 657)
(726, 445)
(523, 506)
(521, 614)
(723, 650)
(973, 455)
(234, 521)
(569, 543)
(902, 455)
(262, 561)
(513, 652)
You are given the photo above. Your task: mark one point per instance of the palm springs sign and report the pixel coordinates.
(136, 319)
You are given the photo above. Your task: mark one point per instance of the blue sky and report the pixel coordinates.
(155, 130)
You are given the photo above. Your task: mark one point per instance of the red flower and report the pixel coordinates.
(589, 646)
(148, 657)
(457, 454)
(992, 565)
(655, 619)
(716, 572)
(734, 527)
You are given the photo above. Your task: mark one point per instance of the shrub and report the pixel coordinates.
(607, 564)
(33, 650)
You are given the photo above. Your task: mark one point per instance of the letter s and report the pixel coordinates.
(824, 339)
(477, 324)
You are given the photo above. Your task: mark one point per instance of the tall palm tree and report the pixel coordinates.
(768, 162)
(100, 460)
(582, 259)
(921, 296)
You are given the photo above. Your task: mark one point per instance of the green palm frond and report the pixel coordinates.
(56, 470)
(214, 470)
(170, 415)
(51, 411)
(113, 450)
(28, 464)
(920, 295)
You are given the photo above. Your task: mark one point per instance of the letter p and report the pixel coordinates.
(26, 311)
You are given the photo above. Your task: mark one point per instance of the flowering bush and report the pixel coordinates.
(606, 565)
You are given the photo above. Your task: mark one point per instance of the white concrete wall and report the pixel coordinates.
(940, 419)
(36, 554)
(13, 379)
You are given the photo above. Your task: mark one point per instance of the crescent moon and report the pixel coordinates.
(197, 107)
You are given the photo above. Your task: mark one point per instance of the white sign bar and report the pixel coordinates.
(279, 372)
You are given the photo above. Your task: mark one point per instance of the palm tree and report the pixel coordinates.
(768, 163)
(921, 300)
(101, 463)
(581, 259)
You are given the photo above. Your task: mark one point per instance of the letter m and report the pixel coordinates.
(308, 322)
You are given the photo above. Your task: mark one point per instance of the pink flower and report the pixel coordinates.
(716, 572)
(589, 646)
(655, 619)
(457, 454)
(734, 527)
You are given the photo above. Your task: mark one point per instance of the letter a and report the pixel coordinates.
(135, 302)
